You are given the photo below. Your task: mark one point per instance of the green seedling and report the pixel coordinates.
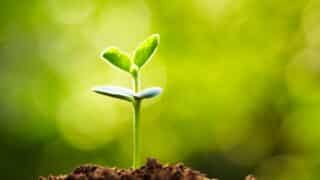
(132, 64)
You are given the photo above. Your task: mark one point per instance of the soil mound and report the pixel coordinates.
(152, 170)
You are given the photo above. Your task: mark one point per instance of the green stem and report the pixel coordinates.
(136, 134)
(136, 123)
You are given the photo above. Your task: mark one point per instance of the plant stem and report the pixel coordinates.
(136, 134)
(136, 82)
(136, 123)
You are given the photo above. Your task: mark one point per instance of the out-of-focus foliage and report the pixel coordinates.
(241, 86)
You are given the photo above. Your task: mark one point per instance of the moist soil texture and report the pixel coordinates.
(152, 170)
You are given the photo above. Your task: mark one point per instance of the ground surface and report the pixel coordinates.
(152, 170)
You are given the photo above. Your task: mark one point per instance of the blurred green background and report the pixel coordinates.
(241, 86)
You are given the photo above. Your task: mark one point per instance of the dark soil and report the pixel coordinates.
(152, 170)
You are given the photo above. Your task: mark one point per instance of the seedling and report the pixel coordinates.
(132, 64)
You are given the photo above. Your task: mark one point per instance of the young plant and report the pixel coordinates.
(132, 64)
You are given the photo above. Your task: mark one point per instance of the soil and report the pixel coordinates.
(152, 170)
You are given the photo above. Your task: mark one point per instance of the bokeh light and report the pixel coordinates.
(241, 86)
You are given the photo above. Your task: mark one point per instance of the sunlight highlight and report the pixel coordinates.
(87, 121)
(70, 12)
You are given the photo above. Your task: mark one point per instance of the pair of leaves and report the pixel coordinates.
(127, 94)
(141, 55)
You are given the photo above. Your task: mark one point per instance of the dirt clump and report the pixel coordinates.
(152, 170)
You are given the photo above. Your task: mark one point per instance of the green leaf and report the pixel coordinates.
(148, 93)
(146, 49)
(117, 58)
(116, 92)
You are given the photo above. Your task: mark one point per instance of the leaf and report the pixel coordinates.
(146, 49)
(114, 91)
(117, 58)
(149, 93)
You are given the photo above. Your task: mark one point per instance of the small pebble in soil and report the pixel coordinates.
(250, 177)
